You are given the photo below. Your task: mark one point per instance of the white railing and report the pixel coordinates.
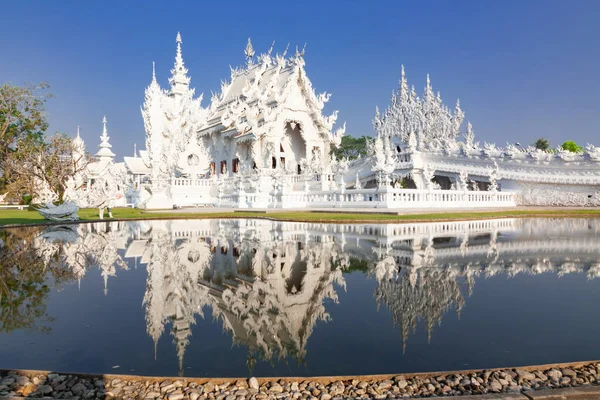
(187, 192)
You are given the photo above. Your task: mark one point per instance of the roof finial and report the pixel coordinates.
(402, 71)
(179, 80)
(104, 131)
(153, 72)
(249, 51)
(271, 49)
(135, 150)
(78, 131)
(286, 50)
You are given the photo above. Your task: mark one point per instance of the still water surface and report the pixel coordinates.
(264, 298)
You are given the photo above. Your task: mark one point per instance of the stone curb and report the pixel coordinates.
(572, 393)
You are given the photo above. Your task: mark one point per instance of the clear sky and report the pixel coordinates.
(522, 69)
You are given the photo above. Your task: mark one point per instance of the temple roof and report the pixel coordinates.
(136, 165)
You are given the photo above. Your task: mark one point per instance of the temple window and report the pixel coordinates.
(253, 165)
(282, 159)
(273, 162)
(235, 165)
(223, 167)
(299, 170)
(212, 168)
(281, 148)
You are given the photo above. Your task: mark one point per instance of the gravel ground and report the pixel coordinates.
(59, 386)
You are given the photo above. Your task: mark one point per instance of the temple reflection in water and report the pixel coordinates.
(267, 282)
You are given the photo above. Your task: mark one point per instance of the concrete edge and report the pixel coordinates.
(320, 379)
(570, 393)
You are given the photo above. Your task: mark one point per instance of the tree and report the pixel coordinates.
(542, 144)
(351, 147)
(572, 147)
(21, 114)
(43, 168)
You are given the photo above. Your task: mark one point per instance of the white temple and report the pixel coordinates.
(264, 142)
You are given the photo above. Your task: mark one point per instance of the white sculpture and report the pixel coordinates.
(64, 212)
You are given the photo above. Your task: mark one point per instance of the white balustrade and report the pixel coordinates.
(297, 194)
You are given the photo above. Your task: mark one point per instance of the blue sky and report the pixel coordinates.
(522, 69)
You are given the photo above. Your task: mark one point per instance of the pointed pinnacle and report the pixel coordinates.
(178, 39)
(153, 71)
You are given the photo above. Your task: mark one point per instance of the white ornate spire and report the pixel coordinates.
(249, 52)
(153, 72)
(105, 147)
(179, 80)
(78, 144)
(135, 150)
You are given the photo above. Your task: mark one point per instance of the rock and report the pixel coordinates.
(241, 392)
(22, 380)
(528, 376)
(475, 382)
(99, 383)
(384, 385)
(495, 386)
(565, 380)
(7, 382)
(253, 383)
(44, 389)
(209, 387)
(401, 383)
(78, 389)
(446, 389)
(430, 387)
(294, 387)
(554, 374)
(325, 396)
(276, 387)
(176, 396)
(569, 372)
(194, 395)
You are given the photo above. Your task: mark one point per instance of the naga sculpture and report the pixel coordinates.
(64, 212)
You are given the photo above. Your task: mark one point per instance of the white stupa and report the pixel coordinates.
(105, 147)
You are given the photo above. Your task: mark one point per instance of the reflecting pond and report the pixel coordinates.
(256, 297)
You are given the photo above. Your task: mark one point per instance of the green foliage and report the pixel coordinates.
(572, 147)
(357, 265)
(542, 144)
(22, 114)
(27, 199)
(351, 147)
(53, 161)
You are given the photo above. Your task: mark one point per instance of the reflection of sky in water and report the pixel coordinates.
(210, 297)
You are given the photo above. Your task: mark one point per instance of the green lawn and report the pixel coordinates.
(16, 217)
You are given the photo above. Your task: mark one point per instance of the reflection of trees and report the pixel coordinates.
(35, 260)
(25, 280)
